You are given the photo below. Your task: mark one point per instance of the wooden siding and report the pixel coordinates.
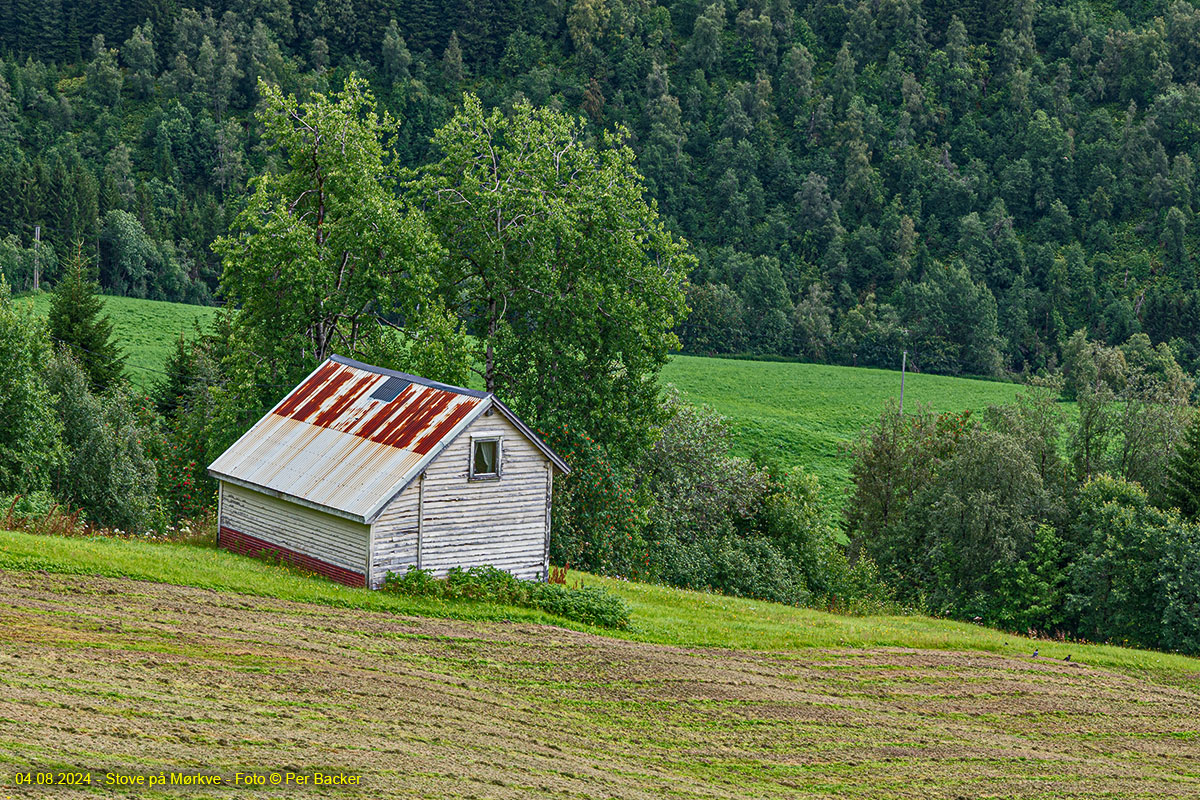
(466, 522)
(331, 539)
(499, 522)
(395, 535)
(238, 542)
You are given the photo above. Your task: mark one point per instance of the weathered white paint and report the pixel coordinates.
(420, 513)
(335, 540)
(395, 534)
(546, 544)
(444, 519)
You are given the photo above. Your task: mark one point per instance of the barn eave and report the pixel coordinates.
(267, 490)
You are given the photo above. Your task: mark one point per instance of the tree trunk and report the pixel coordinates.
(489, 364)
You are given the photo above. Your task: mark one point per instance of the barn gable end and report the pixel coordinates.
(464, 522)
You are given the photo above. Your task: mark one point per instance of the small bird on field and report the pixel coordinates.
(1035, 652)
(1068, 658)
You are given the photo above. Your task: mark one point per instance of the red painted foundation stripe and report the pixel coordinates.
(247, 545)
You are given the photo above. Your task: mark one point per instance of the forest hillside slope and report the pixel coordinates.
(970, 181)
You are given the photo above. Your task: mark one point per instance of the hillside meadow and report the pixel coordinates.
(146, 330)
(795, 413)
(803, 414)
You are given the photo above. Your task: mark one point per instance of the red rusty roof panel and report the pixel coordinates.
(331, 443)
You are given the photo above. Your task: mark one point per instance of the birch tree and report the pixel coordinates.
(570, 279)
(324, 258)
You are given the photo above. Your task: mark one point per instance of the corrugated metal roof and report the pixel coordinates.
(337, 443)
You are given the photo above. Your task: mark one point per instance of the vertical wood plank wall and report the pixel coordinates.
(395, 532)
(467, 523)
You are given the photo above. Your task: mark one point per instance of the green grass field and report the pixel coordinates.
(802, 414)
(137, 658)
(146, 329)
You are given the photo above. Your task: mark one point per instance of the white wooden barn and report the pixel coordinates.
(361, 471)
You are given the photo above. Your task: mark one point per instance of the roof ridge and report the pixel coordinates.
(350, 362)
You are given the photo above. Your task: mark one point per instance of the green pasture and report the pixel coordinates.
(146, 329)
(804, 414)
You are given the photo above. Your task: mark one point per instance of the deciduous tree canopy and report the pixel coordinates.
(573, 281)
(324, 254)
(968, 183)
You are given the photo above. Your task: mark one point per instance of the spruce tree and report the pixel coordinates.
(452, 63)
(1183, 474)
(78, 322)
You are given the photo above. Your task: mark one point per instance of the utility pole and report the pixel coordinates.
(903, 365)
(37, 257)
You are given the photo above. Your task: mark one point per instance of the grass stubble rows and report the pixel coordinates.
(114, 675)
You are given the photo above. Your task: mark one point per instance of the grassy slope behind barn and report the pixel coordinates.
(214, 663)
(802, 414)
(146, 330)
(799, 414)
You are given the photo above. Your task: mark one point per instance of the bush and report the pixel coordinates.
(892, 461)
(1181, 584)
(25, 506)
(733, 565)
(976, 522)
(596, 520)
(105, 469)
(188, 401)
(718, 522)
(699, 490)
(703, 524)
(1117, 581)
(699, 517)
(1137, 577)
(29, 428)
(587, 604)
(797, 523)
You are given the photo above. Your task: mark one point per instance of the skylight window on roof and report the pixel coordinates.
(390, 389)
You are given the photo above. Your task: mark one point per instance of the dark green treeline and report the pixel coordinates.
(969, 181)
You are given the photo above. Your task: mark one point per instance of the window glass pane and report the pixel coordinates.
(485, 458)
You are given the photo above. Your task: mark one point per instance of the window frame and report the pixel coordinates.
(486, 476)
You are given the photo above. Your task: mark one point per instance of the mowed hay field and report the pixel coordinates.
(113, 675)
(147, 330)
(803, 414)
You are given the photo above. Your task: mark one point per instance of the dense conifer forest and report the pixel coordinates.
(972, 182)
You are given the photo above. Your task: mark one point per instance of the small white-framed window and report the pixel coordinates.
(485, 458)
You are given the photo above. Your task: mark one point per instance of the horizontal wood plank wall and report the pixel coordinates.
(395, 533)
(238, 542)
(499, 522)
(331, 539)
